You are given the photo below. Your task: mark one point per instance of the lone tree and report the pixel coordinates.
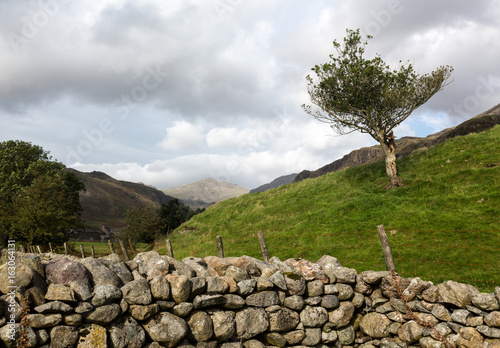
(357, 94)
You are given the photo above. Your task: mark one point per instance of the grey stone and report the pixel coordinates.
(315, 288)
(204, 301)
(233, 301)
(280, 265)
(141, 313)
(331, 289)
(101, 274)
(346, 335)
(251, 322)
(493, 319)
(283, 320)
(236, 273)
(428, 342)
(201, 326)
(246, 287)
(64, 271)
(83, 307)
(329, 337)
(440, 330)
(375, 325)
(73, 319)
(312, 337)
(274, 339)
(253, 344)
(313, 316)
(166, 329)
(160, 288)
(469, 337)
(330, 302)
(278, 279)
(415, 288)
(486, 302)
(150, 264)
(182, 309)
(198, 285)
(460, 316)
(372, 277)
(220, 265)
(40, 321)
(180, 268)
(358, 300)
(224, 325)
(456, 294)
(362, 287)
(295, 284)
(488, 331)
(262, 299)
(346, 292)
(345, 275)
(431, 294)
(411, 332)
(217, 285)
(198, 265)
(312, 301)
(440, 312)
(294, 302)
(42, 337)
(104, 315)
(104, 294)
(63, 336)
(115, 263)
(137, 292)
(294, 337)
(60, 292)
(342, 315)
(53, 307)
(82, 290)
(309, 270)
(264, 284)
(427, 319)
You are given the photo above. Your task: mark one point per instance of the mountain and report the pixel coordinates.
(204, 193)
(407, 145)
(282, 180)
(106, 200)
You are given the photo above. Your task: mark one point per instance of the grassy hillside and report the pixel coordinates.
(444, 224)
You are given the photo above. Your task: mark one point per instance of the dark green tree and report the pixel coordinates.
(143, 225)
(39, 198)
(353, 93)
(174, 213)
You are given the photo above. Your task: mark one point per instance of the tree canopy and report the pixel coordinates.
(39, 199)
(353, 93)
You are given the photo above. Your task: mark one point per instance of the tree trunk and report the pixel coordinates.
(389, 149)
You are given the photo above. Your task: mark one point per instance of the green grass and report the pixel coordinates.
(443, 224)
(100, 249)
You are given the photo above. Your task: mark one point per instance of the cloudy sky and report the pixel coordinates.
(170, 92)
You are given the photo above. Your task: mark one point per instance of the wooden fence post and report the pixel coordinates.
(111, 246)
(263, 246)
(220, 247)
(65, 248)
(125, 253)
(386, 248)
(132, 246)
(169, 248)
(82, 251)
(38, 248)
(22, 248)
(50, 247)
(92, 251)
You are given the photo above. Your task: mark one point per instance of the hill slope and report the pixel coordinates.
(450, 190)
(106, 200)
(204, 193)
(282, 180)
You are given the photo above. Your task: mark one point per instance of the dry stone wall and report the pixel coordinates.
(156, 301)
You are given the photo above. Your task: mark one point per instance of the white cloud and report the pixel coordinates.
(183, 137)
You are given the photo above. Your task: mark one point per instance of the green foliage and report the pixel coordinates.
(354, 93)
(39, 199)
(451, 202)
(143, 225)
(174, 213)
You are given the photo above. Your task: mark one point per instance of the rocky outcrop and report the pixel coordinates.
(156, 301)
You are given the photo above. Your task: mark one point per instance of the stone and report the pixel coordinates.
(150, 264)
(217, 285)
(295, 284)
(431, 294)
(232, 285)
(246, 287)
(179, 268)
(475, 321)
(278, 279)
(315, 288)
(275, 339)
(264, 269)
(105, 294)
(65, 271)
(375, 325)
(488, 331)
(346, 335)
(455, 293)
(415, 288)
(460, 316)
(329, 337)
(493, 319)
(251, 322)
(137, 292)
(180, 287)
(331, 289)
(411, 332)
(224, 325)
(217, 263)
(345, 275)
(53, 307)
(362, 287)
(294, 337)
(73, 319)
(233, 301)
(92, 336)
(42, 337)
(330, 302)
(142, 313)
(358, 300)
(346, 292)
(264, 284)
(182, 309)
(428, 342)
(388, 287)
(313, 316)
(372, 277)
(426, 319)
(115, 263)
(312, 337)
(263, 299)
(490, 343)
(469, 338)
(236, 273)
(198, 265)
(81, 290)
(280, 265)
(440, 312)
(104, 315)
(101, 274)
(309, 270)
(204, 301)
(440, 330)
(312, 301)
(60, 292)
(83, 307)
(198, 286)
(160, 288)
(166, 329)
(253, 344)
(342, 315)
(41, 321)
(283, 320)
(63, 336)
(201, 326)
(294, 302)
(486, 302)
